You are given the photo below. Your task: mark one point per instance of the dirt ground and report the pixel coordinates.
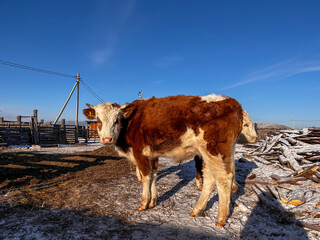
(94, 195)
(53, 180)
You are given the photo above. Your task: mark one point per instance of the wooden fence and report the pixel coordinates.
(34, 132)
(11, 134)
(57, 134)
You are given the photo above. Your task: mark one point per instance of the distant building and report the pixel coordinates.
(93, 129)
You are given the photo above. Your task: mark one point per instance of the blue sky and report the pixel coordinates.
(266, 54)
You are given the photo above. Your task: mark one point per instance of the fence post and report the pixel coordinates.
(86, 136)
(35, 127)
(19, 120)
(35, 115)
(77, 108)
(63, 131)
(31, 129)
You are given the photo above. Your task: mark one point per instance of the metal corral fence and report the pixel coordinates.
(39, 133)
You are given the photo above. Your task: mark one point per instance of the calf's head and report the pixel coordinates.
(248, 129)
(109, 116)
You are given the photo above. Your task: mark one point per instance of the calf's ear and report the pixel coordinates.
(116, 105)
(90, 113)
(129, 111)
(89, 105)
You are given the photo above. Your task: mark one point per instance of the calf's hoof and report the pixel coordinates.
(220, 224)
(142, 208)
(151, 206)
(193, 214)
(153, 203)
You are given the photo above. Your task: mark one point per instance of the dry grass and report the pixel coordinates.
(62, 181)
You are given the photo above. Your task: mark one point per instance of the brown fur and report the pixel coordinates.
(160, 122)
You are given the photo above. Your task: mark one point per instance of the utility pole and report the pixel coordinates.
(65, 104)
(292, 124)
(77, 107)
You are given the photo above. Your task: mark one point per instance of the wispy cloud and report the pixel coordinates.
(278, 71)
(100, 56)
(109, 23)
(168, 61)
(158, 82)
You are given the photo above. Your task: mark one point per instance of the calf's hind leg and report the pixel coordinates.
(224, 175)
(234, 187)
(153, 201)
(208, 186)
(224, 183)
(199, 167)
(216, 171)
(199, 164)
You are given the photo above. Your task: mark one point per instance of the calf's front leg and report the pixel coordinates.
(147, 170)
(146, 183)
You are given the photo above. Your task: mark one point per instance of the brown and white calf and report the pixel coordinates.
(248, 131)
(180, 128)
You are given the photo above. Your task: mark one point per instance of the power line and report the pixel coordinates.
(307, 120)
(11, 64)
(91, 91)
(35, 69)
(285, 121)
(259, 119)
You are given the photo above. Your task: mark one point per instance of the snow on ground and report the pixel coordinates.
(177, 195)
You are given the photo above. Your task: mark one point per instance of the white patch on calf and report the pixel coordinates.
(213, 98)
(190, 143)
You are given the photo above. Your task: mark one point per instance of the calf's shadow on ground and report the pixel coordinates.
(273, 223)
(263, 217)
(187, 172)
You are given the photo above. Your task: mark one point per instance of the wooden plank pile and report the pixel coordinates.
(292, 159)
